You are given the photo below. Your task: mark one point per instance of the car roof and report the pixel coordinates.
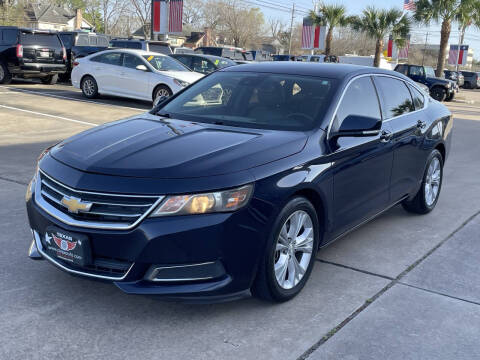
(211, 57)
(135, 51)
(326, 70)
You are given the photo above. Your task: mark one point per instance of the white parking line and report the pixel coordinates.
(69, 98)
(48, 115)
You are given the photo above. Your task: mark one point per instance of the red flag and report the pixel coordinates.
(316, 40)
(176, 15)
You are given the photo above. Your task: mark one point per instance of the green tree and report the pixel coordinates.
(378, 23)
(330, 16)
(444, 12)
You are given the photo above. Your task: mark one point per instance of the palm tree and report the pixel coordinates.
(330, 16)
(378, 23)
(444, 11)
(468, 14)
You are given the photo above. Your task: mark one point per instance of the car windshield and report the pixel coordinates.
(256, 100)
(223, 62)
(164, 63)
(429, 71)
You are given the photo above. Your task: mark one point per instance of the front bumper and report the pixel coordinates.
(202, 257)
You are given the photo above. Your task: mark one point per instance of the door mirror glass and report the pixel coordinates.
(141, 68)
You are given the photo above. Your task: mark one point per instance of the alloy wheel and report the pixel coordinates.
(293, 249)
(89, 87)
(162, 92)
(432, 181)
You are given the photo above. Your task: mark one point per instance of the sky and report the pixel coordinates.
(355, 7)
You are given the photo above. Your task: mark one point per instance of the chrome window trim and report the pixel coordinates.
(64, 218)
(330, 124)
(39, 245)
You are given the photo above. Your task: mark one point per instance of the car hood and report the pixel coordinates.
(188, 76)
(153, 147)
(439, 80)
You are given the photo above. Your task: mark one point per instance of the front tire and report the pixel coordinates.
(438, 93)
(290, 252)
(450, 97)
(428, 194)
(160, 91)
(89, 87)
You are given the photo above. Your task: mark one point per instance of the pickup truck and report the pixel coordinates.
(440, 89)
(79, 44)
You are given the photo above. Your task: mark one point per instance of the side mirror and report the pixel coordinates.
(359, 126)
(141, 67)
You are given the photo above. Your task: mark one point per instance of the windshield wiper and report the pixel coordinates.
(165, 115)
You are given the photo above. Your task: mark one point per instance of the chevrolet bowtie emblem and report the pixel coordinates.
(75, 205)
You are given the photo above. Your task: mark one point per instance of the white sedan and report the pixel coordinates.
(130, 73)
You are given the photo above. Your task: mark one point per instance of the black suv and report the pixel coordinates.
(161, 47)
(440, 89)
(29, 53)
(79, 44)
(472, 80)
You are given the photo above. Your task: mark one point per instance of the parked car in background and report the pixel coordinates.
(160, 47)
(260, 55)
(226, 52)
(183, 50)
(455, 76)
(79, 44)
(204, 64)
(130, 73)
(231, 186)
(28, 53)
(440, 89)
(284, 57)
(471, 79)
(311, 58)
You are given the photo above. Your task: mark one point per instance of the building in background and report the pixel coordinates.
(53, 17)
(418, 50)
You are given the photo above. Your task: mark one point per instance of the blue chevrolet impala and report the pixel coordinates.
(232, 185)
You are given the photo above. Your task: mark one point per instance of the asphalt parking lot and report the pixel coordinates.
(400, 287)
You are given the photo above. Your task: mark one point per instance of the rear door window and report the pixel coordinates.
(418, 98)
(396, 99)
(39, 39)
(67, 40)
(113, 58)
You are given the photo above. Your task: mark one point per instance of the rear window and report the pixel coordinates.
(50, 40)
(162, 49)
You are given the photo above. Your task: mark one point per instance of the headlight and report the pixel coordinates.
(181, 82)
(220, 201)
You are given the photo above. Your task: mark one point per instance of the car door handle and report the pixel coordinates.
(386, 136)
(421, 124)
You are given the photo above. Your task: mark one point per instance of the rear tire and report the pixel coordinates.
(5, 76)
(429, 192)
(89, 87)
(438, 93)
(290, 251)
(50, 80)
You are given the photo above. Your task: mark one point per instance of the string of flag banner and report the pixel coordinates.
(167, 16)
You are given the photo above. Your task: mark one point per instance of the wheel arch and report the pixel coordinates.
(442, 149)
(157, 86)
(319, 203)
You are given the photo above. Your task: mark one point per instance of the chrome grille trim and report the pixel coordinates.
(42, 199)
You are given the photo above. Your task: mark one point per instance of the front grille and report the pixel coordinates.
(106, 208)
